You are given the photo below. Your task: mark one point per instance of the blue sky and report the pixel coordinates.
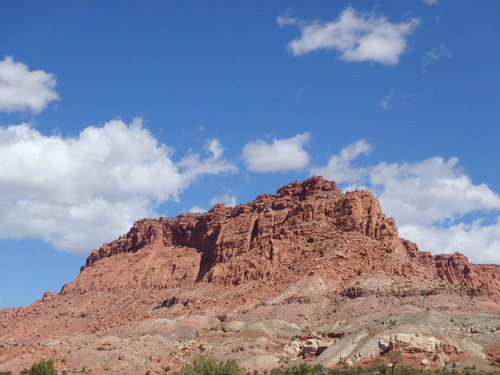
(114, 111)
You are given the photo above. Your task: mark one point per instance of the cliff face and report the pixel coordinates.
(309, 257)
(252, 241)
(457, 270)
(245, 242)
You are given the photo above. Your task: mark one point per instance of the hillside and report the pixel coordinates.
(309, 274)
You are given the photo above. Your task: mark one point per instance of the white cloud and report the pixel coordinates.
(428, 191)
(436, 54)
(339, 167)
(194, 165)
(480, 242)
(285, 19)
(357, 36)
(386, 102)
(197, 210)
(279, 156)
(226, 199)
(429, 200)
(25, 90)
(80, 192)
(430, 2)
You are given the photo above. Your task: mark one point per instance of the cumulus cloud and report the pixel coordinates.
(77, 193)
(279, 156)
(428, 191)
(357, 36)
(339, 167)
(479, 241)
(430, 200)
(22, 90)
(194, 165)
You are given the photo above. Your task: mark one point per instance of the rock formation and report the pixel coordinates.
(309, 273)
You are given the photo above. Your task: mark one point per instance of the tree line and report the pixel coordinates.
(208, 366)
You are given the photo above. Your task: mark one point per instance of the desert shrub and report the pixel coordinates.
(318, 369)
(43, 368)
(302, 369)
(207, 366)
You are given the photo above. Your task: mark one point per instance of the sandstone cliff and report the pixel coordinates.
(241, 282)
(244, 243)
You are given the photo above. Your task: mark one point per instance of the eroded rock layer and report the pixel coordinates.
(308, 263)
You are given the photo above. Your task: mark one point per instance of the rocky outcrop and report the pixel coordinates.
(415, 343)
(246, 242)
(457, 270)
(8, 313)
(315, 346)
(262, 282)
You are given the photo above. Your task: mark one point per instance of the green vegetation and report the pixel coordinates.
(395, 357)
(207, 366)
(43, 368)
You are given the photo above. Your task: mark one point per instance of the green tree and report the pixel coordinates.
(318, 369)
(43, 368)
(303, 369)
(395, 358)
(207, 366)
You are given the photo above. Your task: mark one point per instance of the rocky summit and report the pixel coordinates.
(308, 274)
